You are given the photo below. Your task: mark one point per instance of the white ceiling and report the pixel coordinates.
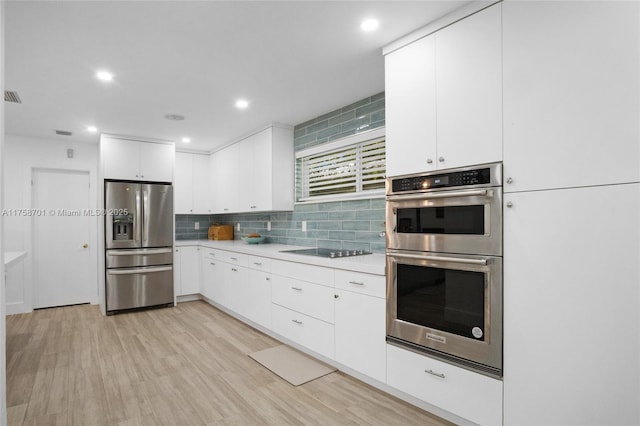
(293, 60)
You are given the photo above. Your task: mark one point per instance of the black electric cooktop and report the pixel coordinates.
(329, 253)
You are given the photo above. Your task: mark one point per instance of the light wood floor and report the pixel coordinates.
(186, 365)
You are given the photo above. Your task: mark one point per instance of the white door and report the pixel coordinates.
(63, 259)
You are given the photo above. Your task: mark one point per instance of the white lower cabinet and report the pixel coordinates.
(360, 326)
(256, 293)
(304, 330)
(187, 270)
(360, 333)
(210, 275)
(464, 393)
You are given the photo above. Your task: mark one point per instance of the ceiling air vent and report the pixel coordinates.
(63, 133)
(10, 96)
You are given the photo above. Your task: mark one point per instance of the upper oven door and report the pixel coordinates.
(459, 221)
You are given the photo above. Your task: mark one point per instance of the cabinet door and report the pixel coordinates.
(410, 96)
(258, 297)
(156, 162)
(211, 277)
(183, 185)
(120, 159)
(469, 90)
(232, 284)
(227, 173)
(571, 303)
(571, 84)
(360, 333)
(202, 201)
(189, 270)
(262, 172)
(177, 283)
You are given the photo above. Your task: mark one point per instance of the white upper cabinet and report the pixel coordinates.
(182, 188)
(571, 84)
(192, 188)
(136, 160)
(444, 97)
(256, 173)
(469, 90)
(410, 97)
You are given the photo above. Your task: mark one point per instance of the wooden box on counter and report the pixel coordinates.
(221, 232)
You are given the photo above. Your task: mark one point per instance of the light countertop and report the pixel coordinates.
(370, 264)
(12, 257)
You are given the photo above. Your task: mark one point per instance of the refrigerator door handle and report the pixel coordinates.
(129, 252)
(136, 220)
(145, 219)
(138, 270)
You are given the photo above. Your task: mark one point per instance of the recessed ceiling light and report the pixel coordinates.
(186, 140)
(92, 129)
(369, 25)
(174, 117)
(104, 76)
(242, 104)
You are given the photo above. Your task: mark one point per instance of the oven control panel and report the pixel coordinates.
(444, 180)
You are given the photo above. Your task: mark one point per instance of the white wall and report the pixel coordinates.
(22, 155)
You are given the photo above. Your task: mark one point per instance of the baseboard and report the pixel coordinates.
(17, 308)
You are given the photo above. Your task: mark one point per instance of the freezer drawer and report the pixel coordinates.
(129, 288)
(139, 257)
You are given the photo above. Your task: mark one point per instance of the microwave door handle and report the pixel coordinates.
(439, 195)
(482, 262)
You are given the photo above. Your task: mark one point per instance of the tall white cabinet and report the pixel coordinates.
(444, 97)
(572, 213)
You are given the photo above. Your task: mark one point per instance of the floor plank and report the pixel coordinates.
(187, 365)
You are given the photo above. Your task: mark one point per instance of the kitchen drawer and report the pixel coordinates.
(306, 331)
(260, 263)
(234, 258)
(301, 271)
(210, 253)
(310, 299)
(462, 392)
(372, 285)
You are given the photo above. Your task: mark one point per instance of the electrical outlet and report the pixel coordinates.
(304, 226)
(269, 226)
(238, 227)
(196, 226)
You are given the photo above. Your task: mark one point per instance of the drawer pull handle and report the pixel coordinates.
(297, 322)
(233, 258)
(211, 254)
(234, 269)
(433, 373)
(257, 263)
(296, 288)
(356, 283)
(267, 278)
(211, 263)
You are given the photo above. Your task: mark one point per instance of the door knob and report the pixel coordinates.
(429, 161)
(85, 245)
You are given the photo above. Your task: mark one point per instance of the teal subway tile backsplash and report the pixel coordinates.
(339, 225)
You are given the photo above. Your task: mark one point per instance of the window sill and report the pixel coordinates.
(342, 197)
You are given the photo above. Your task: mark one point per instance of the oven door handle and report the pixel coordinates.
(482, 262)
(444, 194)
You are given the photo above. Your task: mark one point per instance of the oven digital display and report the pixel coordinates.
(466, 178)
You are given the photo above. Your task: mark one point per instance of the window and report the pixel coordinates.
(342, 169)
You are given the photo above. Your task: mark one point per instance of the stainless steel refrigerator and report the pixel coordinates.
(138, 245)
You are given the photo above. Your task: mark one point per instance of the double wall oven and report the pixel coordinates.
(444, 265)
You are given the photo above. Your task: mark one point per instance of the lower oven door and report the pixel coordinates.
(129, 288)
(446, 304)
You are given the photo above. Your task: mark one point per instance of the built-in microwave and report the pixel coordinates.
(457, 211)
